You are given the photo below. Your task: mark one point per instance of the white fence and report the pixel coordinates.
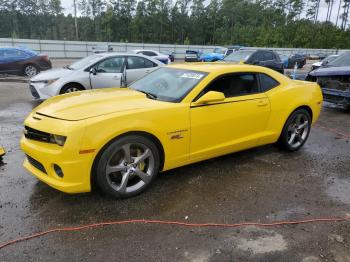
(77, 49)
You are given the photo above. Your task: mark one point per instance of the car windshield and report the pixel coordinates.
(84, 62)
(168, 84)
(329, 59)
(239, 56)
(283, 56)
(342, 60)
(219, 50)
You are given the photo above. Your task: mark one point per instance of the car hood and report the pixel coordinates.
(331, 71)
(52, 74)
(86, 104)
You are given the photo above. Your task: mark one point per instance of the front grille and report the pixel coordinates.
(36, 164)
(35, 93)
(31, 133)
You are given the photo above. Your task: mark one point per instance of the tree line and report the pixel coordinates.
(272, 23)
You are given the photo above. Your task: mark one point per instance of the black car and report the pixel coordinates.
(299, 59)
(171, 55)
(266, 58)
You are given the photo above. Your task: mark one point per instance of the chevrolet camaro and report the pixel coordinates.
(120, 138)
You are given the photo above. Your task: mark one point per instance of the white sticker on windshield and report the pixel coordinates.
(192, 75)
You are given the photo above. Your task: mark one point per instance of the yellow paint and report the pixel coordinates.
(2, 151)
(188, 131)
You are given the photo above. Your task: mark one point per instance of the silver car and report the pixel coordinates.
(95, 71)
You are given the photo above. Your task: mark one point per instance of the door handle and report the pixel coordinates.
(262, 103)
(116, 77)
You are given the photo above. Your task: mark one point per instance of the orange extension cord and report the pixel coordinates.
(184, 224)
(332, 130)
(174, 223)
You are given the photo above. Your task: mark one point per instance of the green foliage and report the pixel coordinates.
(270, 23)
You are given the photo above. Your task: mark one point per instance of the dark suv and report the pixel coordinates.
(264, 58)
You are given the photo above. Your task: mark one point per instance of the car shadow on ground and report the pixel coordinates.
(227, 177)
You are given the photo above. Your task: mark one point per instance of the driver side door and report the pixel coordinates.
(108, 72)
(234, 124)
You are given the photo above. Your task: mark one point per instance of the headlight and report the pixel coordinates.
(59, 140)
(49, 82)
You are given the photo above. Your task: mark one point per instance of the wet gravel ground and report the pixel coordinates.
(262, 185)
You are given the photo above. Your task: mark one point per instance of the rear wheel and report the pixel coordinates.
(69, 88)
(296, 130)
(127, 166)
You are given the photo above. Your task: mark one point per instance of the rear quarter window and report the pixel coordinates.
(267, 82)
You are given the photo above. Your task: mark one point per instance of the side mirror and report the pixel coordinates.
(93, 71)
(210, 97)
(324, 62)
(256, 62)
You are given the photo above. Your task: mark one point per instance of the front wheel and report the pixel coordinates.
(296, 130)
(30, 70)
(69, 88)
(127, 166)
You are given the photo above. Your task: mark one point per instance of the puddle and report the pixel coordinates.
(263, 244)
(259, 241)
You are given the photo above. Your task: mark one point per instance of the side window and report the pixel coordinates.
(135, 62)
(149, 64)
(268, 56)
(235, 85)
(11, 53)
(267, 82)
(257, 57)
(149, 53)
(111, 65)
(277, 57)
(229, 51)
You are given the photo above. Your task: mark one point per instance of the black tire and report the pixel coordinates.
(111, 152)
(69, 88)
(30, 70)
(285, 141)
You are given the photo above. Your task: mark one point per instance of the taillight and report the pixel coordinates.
(46, 58)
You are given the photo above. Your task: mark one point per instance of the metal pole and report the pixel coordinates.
(336, 23)
(75, 20)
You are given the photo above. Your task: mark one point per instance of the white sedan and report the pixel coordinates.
(95, 71)
(154, 54)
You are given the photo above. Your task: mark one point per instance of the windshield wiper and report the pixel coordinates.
(148, 94)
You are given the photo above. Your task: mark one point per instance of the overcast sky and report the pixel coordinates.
(68, 6)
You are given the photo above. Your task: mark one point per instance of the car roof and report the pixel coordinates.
(211, 67)
(108, 54)
(24, 49)
(227, 68)
(149, 50)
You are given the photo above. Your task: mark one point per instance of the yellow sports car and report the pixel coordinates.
(120, 138)
(2, 152)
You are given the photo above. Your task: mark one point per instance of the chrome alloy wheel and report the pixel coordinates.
(71, 89)
(30, 70)
(130, 167)
(298, 130)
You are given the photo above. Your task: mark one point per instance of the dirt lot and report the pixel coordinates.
(262, 185)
